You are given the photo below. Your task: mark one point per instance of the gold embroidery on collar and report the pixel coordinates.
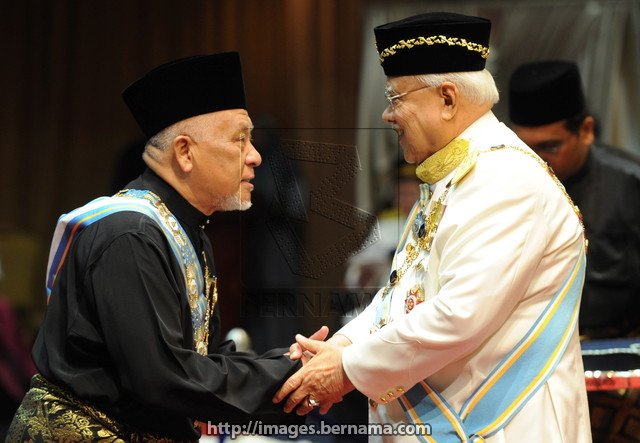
(466, 166)
(436, 167)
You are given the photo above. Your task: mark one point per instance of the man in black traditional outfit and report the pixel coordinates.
(130, 345)
(548, 112)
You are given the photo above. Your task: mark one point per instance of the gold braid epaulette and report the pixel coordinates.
(435, 40)
(557, 182)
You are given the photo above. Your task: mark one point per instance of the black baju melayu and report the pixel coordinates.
(607, 191)
(117, 333)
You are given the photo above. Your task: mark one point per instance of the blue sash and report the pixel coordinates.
(511, 383)
(149, 204)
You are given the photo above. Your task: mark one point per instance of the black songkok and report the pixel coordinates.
(185, 88)
(432, 43)
(545, 92)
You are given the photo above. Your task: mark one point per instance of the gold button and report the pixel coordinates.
(373, 404)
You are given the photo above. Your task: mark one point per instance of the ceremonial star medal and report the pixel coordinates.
(201, 348)
(419, 226)
(414, 297)
(424, 228)
(192, 287)
(409, 304)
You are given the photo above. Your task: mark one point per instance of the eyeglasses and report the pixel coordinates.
(394, 99)
(551, 147)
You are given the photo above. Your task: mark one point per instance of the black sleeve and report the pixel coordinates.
(140, 309)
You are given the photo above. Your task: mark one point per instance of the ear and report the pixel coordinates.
(587, 131)
(449, 95)
(182, 148)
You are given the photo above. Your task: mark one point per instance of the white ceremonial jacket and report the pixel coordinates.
(507, 241)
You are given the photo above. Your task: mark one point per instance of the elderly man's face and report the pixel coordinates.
(564, 151)
(415, 117)
(225, 160)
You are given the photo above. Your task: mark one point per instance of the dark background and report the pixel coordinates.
(64, 129)
(66, 136)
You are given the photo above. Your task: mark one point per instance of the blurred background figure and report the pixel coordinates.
(370, 268)
(548, 111)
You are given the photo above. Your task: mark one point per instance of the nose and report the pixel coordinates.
(253, 156)
(387, 114)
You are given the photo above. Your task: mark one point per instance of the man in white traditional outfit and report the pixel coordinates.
(474, 335)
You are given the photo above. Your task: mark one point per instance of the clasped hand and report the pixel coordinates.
(322, 379)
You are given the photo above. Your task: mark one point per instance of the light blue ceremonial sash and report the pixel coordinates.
(149, 204)
(511, 383)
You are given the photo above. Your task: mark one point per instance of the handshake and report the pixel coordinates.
(321, 381)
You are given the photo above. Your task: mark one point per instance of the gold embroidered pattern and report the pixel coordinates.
(433, 220)
(424, 242)
(425, 237)
(435, 40)
(201, 334)
(456, 154)
(201, 305)
(50, 413)
(466, 166)
(441, 163)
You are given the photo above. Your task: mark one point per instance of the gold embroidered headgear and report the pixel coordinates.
(432, 43)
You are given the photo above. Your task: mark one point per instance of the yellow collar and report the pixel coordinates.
(440, 164)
